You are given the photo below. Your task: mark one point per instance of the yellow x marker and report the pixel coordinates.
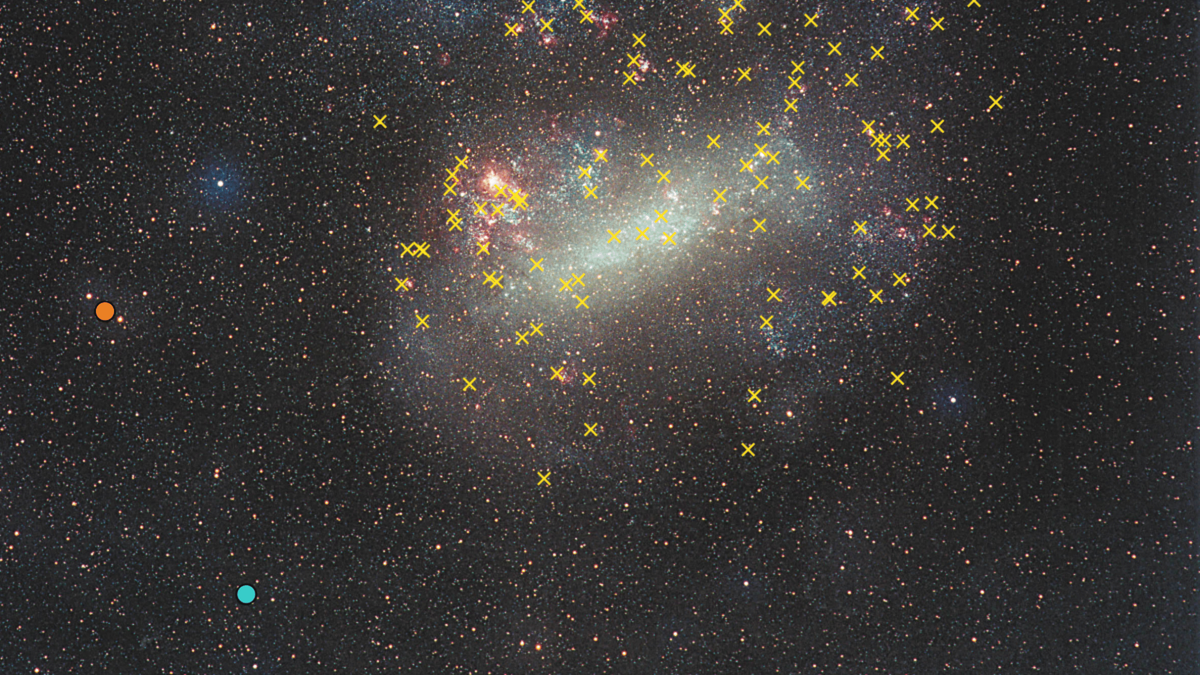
(501, 191)
(582, 302)
(453, 216)
(937, 126)
(875, 296)
(772, 157)
(685, 69)
(646, 160)
(670, 239)
(519, 198)
(587, 16)
(903, 140)
(764, 29)
(747, 449)
(737, 4)
(931, 203)
(633, 60)
(713, 141)
(762, 183)
(602, 155)
(829, 299)
(480, 208)
(557, 373)
(497, 210)
(512, 29)
(662, 215)
(400, 284)
(795, 83)
(587, 379)
(802, 182)
(629, 78)
(449, 191)
(937, 24)
(637, 40)
(725, 15)
(545, 478)
(720, 195)
(766, 321)
(578, 279)
(545, 25)
(745, 74)
(612, 236)
(746, 166)
(812, 20)
(461, 162)
(929, 231)
(470, 383)
(584, 172)
(642, 233)
(791, 104)
(974, 2)
(762, 150)
(493, 280)
(421, 321)
(901, 279)
(995, 103)
(537, 328)
(798, 66)
(537, 265)
(878, 53)
(726, 28)
(528, 6)
(833, 49)
(663, 176)
(754, 395)
(763, 129)
(896, 378)
(851, 79)
(379, 121)
(912, 14)
(912, 204)
(758, 225)
(591, 429)
(591, 192)
(883, 154)
(858, 273)
(860, 227)
(521, 337)
(774, 295)
(949, 232)
(483, 247)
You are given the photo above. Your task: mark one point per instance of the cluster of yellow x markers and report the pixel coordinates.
(881, 142)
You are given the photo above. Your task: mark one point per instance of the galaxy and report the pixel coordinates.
(561, 336)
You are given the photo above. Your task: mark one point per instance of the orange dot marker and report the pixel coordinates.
(105, 311)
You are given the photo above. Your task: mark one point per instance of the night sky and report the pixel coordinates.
(635, 338)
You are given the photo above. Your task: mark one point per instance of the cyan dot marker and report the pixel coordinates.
(246, 595)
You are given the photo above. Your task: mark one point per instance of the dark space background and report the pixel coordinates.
(264, 410)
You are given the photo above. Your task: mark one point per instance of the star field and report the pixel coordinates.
(648, 338)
